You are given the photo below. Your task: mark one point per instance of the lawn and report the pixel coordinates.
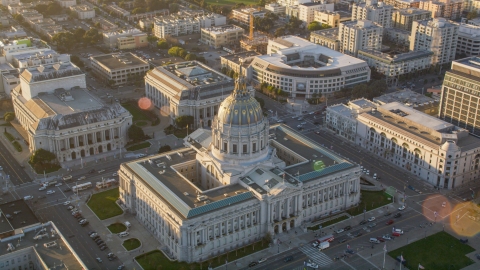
(138, 146)
(17, 146)
(181, 133)
(117, 227)
(370, 200)
(9, 136)
(141, 123)
(141, 115)
(448, 253)
(328, 223)
(131, 244)
(232, 2)
(45, 168)
(103, 204)
(154, 259)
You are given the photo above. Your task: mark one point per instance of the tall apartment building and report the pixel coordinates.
(243, 15)
(220, 36)
(331, 18)
(437, 35)
(450, 9)
(306, 11)
(392, 64)
(402, 4)
(275, 8)
(358, 35)
(326, 38)
(468, 40)
(374, 11)
(182, 24)
(404, 18)
(83, 12)
(460, 102)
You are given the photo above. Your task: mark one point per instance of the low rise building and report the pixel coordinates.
(327, 38)
(221, 36)
(118, 10)
(330, 18)
(37, 58)
(118, 68)
(146, 24)
(396, 64)
(188, 88)
(342, 119)
(83, 12)
(105, 24)
(403, 4)
(468, 43)
(448, 9)
(9, 79)
(175, 26)
(14, 32)
(302, 68)
(359, 35)
(404, 18)
(306, 11)
(59, 17)
(275, 8)
(15, 8)
(125, 39)
(6, 3)
(243, 15)
(238, 62)
(66, 3)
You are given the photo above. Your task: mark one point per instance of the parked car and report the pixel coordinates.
(58, 184)
(66, 203)
(91, 171)
(101, 171)
(339, 230)
(103, 247)
(262, 260)
(95, 238)
(50, 192)
(82, 178)
(371, 219)
(67, 190)
(396, 234)
(388, 214)
(70, 207)
(363, 222)
(371, 225)
(98, 260)
(380, 239)
(387, 237)
(401, 208)
(99, 243)
(252, 264)
(342, 240)
(357, 234)
(42, 188)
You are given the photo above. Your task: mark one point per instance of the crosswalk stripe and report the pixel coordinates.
(316, 256)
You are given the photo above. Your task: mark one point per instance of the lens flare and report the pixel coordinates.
(318, 165)
(145, 103)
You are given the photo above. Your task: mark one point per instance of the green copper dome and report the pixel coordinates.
(240, 108)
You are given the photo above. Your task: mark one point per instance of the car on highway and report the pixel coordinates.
(82, 178)
(140, 155)
(387, 237)
(311, 265)
(390, 222)
(371, 219)
(287, 259)
(401, 208)
(397, 215)
(50, 192)
(339, 230)
(252, 264)
(66, 203)
(262, 260)
(350, 251)
(42, 188)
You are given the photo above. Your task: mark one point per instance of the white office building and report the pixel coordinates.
(359, 35)
(302, 68)
(396, 64)
(180, 24)
(374, 11)
(468, 40)
(436, 35)
(306, 11)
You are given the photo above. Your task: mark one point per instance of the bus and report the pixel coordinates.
(106, 183)
(82, 186)
(328, 238)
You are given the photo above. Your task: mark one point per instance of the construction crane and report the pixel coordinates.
(250, 36)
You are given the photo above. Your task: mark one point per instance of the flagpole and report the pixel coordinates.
(384, 252)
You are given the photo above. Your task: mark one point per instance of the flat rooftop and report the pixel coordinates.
(24, 218)
(331, 33)
(319, 160)
(341, 109)
(160, 173)
(472, 62)
(235, 57)
(59, 255)
(363, 103)
(46, 72)
(415, 116)
(406, 97)
(395, 57)
(82, 101)
(222, 29)
(119, 60)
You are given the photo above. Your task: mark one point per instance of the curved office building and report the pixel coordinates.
(302, 68)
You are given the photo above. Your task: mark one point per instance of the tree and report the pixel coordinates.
(174, 8)
(136, 133)
(261, 101)
(174, 51)
(78, 34)
(190, 57)
(151, 38)
(184, 120)
(182, 53)
(42, 156)
(162, 44)
(92, 36)
(280, 32)
(138, 10)
(314, 26)
(9, 116)
(164, 148)
(472, 15)
(64, 40)
(77, 61)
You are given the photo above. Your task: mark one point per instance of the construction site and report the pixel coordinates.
(255, 41)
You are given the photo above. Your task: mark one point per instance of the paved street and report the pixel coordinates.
(11, 168)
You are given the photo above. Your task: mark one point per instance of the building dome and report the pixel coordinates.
(240, 108)
(450, 146)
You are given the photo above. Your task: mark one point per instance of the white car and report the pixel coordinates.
(114, 174)
(303, 123)
(1, 168)
(50, 192)
(82, 178)
(312, 265)
(401, 208)
(42, 188)
(371, 219)
(58, 184)
(262, 260)
(66, 203)
(140, 155)
(100, 171)
(339, 230)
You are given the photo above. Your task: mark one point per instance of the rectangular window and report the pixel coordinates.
(234, 148)
(244, 148)
(254, 147)
(225, 146)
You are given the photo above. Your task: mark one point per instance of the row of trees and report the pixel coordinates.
(314, 26)
(291, 27)
(229, 72)
(266, 23)
(272, 91)
(68, 40)
(369, 90)
(181, 52)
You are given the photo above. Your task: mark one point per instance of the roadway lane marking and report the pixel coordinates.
(367, 260)
(11, 167)
(348, 264)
